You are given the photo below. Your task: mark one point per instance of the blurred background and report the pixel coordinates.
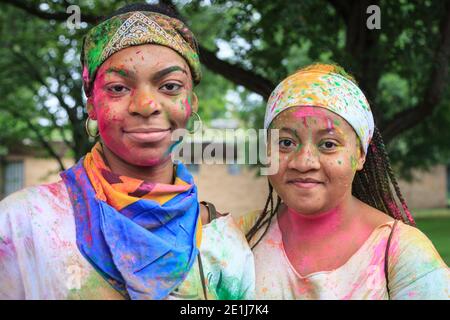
(400, 58)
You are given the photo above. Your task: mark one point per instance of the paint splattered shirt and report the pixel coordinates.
(39, 257)
(416, 271)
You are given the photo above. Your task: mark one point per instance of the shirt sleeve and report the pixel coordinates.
(231, 261)
(416, 270)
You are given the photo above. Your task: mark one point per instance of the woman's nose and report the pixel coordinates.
(144, 103)
(305, 159)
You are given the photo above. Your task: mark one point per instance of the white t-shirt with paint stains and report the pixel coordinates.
(416, 271)
(39, 257)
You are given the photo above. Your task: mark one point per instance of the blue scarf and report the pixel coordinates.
(144, 251)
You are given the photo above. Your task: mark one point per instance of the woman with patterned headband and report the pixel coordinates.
(125, 222)
(337, 230)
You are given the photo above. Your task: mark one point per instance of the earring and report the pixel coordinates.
(195, 129)
(86, 126)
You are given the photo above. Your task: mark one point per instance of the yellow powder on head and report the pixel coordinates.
(327, 68)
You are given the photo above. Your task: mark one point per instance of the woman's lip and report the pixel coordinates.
(305, 185)
(148, 136)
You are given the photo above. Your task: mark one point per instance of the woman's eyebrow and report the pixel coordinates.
(162, 73)
(330, 131)
(290, 131)
(124, 73)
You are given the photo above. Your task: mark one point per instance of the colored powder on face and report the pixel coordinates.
(330, 125)
(354, 163)
(299, 147)
(187, 104)
(121, 72)
(309, 112)
(339, 162)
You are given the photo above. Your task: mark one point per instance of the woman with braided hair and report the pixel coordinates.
(339, 228)
(125, 221)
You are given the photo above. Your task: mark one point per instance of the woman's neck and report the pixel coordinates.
(162, 172)
(310, 227)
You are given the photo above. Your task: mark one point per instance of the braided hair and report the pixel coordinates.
(374, 185)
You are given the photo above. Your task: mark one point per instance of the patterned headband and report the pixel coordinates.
(329, 90)
(132, 29)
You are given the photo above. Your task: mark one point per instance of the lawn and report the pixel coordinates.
(437, 228)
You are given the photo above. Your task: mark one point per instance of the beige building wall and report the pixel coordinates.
(237, 194)
(42, 170)
(428, 190)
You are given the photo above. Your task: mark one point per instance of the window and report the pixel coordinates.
(13, 177)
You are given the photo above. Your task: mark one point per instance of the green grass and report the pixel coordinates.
(437, 229)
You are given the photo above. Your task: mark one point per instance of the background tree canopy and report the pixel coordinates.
(246, 48)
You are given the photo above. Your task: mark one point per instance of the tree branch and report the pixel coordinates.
(236, 74)
(408, 118)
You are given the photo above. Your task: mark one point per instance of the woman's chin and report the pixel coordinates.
(147, 160)
(306, 210)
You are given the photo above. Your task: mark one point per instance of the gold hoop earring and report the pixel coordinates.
(86, 126)
(198, 120)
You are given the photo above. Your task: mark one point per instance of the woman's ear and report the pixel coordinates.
(361, 156)
(194, 102)
(90, 109)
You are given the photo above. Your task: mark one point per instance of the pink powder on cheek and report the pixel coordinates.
(188, 108)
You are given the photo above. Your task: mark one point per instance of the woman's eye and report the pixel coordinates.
(171, 87)
(117, 89)
(328, 145)
(285, 143)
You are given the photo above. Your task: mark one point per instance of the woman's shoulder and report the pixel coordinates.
(407, 244)
(413, 245)
(29, 196)
(416, 269)
(224, 224)
(246, 221)
(35, 202)
(224, 235)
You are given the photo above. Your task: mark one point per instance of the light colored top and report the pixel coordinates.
(416, 271)
(39, 257)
